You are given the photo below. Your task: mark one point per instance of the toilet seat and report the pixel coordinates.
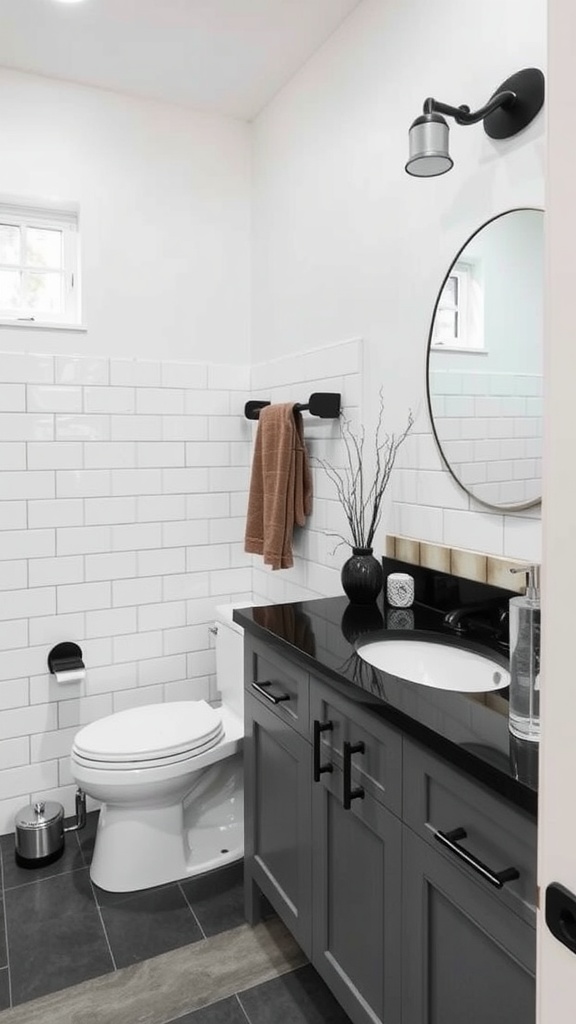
(149, 736)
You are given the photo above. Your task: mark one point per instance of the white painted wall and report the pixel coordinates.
(347, 245)
(164, 216)
(557, 833)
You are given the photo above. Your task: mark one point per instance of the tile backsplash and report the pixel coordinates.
(471, 565)
(122, 500)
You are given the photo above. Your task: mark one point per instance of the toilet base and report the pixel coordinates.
(140, 847)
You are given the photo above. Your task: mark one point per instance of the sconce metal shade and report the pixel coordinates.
(510, 109)
(428, 139)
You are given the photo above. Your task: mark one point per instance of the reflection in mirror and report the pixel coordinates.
(485, 362)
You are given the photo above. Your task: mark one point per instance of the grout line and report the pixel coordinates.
(45, 878)
(204, 936)
(241, 1005)
(99, 909)
(6, 929)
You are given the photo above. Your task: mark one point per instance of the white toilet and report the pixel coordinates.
(170, 780)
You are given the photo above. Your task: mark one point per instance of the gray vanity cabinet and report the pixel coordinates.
(356, 859)
(342, 820)
(465, 956)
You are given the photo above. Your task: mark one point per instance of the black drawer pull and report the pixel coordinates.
(261, 688)
(350, 794)
(320, 769)
(496, 878)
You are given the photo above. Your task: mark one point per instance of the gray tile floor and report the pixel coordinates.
(299, 997)
(57, 929)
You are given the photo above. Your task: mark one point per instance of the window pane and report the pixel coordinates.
(44, 248)
(42, 292)
(445, 326)
(9, 243)
(449, 296)
(10, 292)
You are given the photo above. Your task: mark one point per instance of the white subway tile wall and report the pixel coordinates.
(123, 494)
(495, 439)
(117, 531)
(496, 436)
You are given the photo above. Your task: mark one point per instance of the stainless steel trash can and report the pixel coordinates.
(39, 833)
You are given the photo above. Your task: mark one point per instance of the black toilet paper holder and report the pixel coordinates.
(65, 657)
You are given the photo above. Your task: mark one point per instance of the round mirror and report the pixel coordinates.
(485, 356)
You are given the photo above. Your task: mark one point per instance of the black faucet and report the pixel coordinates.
(495, 622)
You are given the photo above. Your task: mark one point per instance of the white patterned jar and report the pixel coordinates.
(400, 590)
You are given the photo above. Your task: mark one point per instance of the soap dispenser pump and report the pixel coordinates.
(524, 711)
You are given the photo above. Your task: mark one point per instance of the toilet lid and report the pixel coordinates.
(151, 732)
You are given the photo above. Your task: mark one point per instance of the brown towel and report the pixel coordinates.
(280, 485)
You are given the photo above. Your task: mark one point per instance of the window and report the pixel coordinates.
(458, 323)
(39, 273)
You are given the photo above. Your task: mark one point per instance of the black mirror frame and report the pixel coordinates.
(520, 506)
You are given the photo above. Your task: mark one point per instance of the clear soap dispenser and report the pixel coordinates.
(524, 713)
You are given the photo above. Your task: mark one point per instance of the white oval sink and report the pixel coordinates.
(435, 664)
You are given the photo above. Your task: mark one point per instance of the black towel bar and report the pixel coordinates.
(324, 404)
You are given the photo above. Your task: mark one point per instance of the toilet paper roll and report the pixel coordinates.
(73, 675)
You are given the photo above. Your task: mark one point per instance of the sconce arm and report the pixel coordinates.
(463, 114)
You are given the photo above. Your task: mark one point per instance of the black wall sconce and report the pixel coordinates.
(510, 109)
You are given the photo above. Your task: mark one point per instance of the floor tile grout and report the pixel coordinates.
(9, 975)
(45, 878)
(241, 1005)
(99, 911)
(204, 936)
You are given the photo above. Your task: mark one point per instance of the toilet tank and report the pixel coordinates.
(230, 657)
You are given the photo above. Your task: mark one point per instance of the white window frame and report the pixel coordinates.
(466, 336)
(62, 218)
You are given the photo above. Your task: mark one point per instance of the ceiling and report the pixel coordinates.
(220, 56)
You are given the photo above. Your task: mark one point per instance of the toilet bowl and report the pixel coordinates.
(170, 781)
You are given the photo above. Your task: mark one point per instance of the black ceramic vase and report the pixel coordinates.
(362, 576)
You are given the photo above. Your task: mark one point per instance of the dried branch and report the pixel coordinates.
(362, 504)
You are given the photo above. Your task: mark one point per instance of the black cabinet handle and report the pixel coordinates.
(273, 698)
(496, 878)
(320, 769)
(350, 794)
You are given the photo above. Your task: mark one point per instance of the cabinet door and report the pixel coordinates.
(466, 955)
(378, 768)
(356, 901)
(277, 767)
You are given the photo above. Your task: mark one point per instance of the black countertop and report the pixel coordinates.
(469, 730)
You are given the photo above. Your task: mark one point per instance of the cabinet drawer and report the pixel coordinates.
(375, 753)
(277, 684)
(437, 798)
(466, 957)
